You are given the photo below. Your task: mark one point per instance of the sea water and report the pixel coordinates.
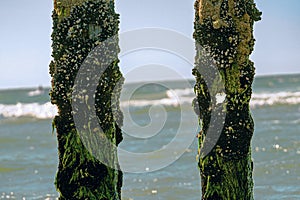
(28, 147)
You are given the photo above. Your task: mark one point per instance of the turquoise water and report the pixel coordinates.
(28, 155)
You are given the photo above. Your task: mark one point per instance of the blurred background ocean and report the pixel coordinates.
(28, 148)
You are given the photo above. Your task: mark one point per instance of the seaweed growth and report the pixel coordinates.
(224, 37)
(78, 28)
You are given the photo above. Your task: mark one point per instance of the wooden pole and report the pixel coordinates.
(79, 26)
(224, 40)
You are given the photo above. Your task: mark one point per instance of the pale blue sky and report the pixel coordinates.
(25, 50)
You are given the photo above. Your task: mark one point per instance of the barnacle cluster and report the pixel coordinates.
(224, 41)
(63, 7)
(79, 26)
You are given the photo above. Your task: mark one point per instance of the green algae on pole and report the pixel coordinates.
(224, 34)
(79, 26)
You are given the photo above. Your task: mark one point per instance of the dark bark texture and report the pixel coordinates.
(224, 42)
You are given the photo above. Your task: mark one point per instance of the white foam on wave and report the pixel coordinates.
(279, 98)
(181, 96)
(40, 111)
(174, 98)
(36, 92)
(164, 102)
(180, 93)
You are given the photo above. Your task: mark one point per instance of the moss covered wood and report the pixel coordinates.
(78, 27)
(224, 33)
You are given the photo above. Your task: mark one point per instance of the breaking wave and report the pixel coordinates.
(36, 110)
(173, 98)
(280, 98)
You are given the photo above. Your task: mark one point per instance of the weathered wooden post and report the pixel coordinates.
(79, 26)
(224, 40)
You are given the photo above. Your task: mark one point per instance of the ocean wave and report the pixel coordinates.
(174, 98)
(165, 102)
(37, 92)
(180, 93)
(279, 98)
(36, 110)
(182, 96)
